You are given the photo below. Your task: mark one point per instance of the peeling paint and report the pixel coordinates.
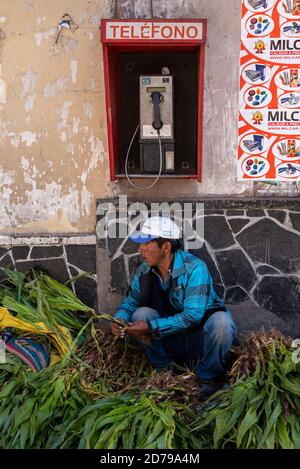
(2, 91)
(66, 44)
(65, 110)
(6, 178)
(29, 80)
(43, 36)
(63, 136)
(39, 211)
(15, 140)
(74, 70)
(25, 137)
(88, 110)
(55, 224)
(50, 91)
(86, 199)
(71, 148)
(30, 175)
(97, 156)
(30, 103)
(28, 137)
(76, 122)
(24, 163)
(40, 19)
(97, 151)
(64, 114)
(50, 134)
(75, 163)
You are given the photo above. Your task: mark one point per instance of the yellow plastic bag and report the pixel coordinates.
(60, 341)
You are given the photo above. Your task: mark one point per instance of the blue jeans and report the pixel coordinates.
(208, 345)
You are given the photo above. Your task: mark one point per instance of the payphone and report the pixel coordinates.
(156, 121)
(156, 126)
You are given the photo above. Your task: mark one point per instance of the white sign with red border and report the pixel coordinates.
(185, 31)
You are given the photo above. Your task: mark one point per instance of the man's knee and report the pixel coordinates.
(221, 325)
(144, 313)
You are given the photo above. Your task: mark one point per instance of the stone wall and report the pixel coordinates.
(252, 249)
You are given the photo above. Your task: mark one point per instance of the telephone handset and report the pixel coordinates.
(156, 99)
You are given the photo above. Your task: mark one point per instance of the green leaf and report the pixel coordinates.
(270, 441)
(143, 430)
(283, 437)
(294, 425)
(45, 410)
(157, 430)
(292, 385)
(32, 429)
(7, 391)
(248, 421)
(24, 412)
(222, 423)
(270, 423)
(84, 442)
(24, 430)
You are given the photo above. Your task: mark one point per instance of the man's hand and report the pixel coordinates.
(139, 329)
(118, 330)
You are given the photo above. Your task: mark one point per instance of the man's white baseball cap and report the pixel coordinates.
(156, 227)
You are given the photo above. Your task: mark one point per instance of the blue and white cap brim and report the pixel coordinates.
(140, 238)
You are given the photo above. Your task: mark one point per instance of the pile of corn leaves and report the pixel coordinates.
(36, 297)
(103, 394)
(261, 408)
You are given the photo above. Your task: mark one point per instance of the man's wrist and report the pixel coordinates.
(119, 316)
(154, 331)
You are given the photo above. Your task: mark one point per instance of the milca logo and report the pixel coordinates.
(284, 44)
(284, 48)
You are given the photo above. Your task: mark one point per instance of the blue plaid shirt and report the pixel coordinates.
(192, 294)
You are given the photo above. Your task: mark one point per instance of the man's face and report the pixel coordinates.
(152, 253)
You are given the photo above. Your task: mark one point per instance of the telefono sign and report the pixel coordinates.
(154, 30)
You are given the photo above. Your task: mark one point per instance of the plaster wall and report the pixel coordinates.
(53, 139)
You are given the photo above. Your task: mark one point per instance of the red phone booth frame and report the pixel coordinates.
(129, 42)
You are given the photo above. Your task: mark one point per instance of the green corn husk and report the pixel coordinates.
(125, 422)
(36, 297)
(60, 296)
(261, 410)
(25, 312)
(32, 403)
(53, 409)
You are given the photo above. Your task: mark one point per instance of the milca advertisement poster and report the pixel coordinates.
(269, 120)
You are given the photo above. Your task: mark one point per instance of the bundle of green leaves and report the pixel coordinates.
(261, 409)
(32, 404)
(128, 422)
(36, 297)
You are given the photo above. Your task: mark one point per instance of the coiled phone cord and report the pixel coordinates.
(160, 162)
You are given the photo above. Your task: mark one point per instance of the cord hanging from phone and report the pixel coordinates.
(160, 161)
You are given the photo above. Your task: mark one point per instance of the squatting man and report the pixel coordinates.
(172, 309)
